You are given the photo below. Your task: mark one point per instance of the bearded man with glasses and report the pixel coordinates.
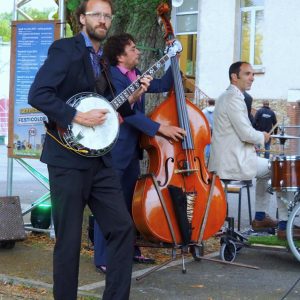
(73, 66)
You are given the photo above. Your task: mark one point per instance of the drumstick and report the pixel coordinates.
(273, 128)
(270, 151)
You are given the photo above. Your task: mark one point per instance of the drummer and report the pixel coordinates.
(233, 153)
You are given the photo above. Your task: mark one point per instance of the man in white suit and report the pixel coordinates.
(233, 154)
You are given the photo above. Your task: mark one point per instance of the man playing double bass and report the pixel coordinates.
(123, 55)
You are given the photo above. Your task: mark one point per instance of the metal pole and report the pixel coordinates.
(14, 15)
(62, 18)
(10, 160)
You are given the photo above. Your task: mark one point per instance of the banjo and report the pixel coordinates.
(99, 140)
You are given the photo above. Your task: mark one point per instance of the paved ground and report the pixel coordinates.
(278, 270)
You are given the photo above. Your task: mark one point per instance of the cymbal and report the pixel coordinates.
(290, 126)
(285, 136)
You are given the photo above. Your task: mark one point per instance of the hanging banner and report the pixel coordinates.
(29, 48)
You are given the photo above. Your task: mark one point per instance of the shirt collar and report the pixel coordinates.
(123, 69)
(131, 74)
(89, 44)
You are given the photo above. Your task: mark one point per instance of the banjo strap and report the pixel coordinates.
(103, 81)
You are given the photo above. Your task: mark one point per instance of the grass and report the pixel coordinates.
(271, 240)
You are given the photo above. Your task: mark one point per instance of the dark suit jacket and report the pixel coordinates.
(67, 71)
(127, 145)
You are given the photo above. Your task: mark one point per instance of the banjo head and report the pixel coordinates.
(92, 141)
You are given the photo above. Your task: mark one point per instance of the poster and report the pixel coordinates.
(29, 47)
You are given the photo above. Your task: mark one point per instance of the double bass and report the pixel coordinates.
(178, 201)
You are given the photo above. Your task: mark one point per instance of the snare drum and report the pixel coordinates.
(285, 173)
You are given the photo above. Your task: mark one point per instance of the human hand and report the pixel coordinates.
(173, 132)
(91, 118)
(145, 82)
(267, 136)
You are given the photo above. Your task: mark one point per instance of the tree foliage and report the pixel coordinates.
(139, 18)
(6, 18)
(5, 31)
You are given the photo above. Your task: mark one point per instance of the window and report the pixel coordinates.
(188, 54)
(252, 18)
(186, 16)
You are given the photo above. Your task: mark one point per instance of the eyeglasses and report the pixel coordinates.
(99, 16)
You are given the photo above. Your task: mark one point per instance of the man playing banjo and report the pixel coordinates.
(72, 67)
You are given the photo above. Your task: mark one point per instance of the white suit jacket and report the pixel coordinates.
(233, 154)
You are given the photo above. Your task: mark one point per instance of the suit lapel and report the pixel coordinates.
(86, 59)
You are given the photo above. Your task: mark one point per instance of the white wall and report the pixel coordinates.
(215, 45)
(218, 44)
(281, 57)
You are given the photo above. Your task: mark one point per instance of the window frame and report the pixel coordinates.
(253, 10)
(176, 14)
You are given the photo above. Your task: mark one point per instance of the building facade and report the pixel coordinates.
(262, 32)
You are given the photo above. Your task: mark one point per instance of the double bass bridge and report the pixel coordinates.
(186, 171)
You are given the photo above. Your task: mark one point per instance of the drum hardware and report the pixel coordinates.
(282, 139)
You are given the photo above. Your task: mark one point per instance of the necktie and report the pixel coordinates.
(95, 57)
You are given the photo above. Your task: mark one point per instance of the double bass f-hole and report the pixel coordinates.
(170, 159)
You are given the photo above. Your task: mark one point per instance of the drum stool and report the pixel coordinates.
(236, 187)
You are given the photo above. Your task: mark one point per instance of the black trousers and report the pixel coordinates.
(98, 187)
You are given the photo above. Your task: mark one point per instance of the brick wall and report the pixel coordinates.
(288, 114)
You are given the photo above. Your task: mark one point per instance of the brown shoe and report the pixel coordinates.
(266, 223)
(281, 234)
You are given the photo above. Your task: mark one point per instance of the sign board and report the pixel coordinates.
(29, 48)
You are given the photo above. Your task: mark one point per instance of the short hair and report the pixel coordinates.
(235, 68)
(81, 9)
(115, 46)
(211, 102)
(266, 103)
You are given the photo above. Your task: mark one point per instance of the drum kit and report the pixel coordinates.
(285, 169)
(285, 177)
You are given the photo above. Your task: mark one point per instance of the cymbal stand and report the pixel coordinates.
(282, 140)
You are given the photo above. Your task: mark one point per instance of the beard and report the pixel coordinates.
(94, 35)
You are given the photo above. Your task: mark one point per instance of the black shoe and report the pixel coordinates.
(101, 269)
(141, 259)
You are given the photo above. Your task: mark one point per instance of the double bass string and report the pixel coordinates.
(182, 111)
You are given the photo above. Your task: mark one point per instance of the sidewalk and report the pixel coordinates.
(32, 265)
(278, 271)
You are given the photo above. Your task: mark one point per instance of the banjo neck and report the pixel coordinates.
(123, 97)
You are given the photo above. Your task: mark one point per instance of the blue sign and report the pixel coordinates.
(32, 42)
